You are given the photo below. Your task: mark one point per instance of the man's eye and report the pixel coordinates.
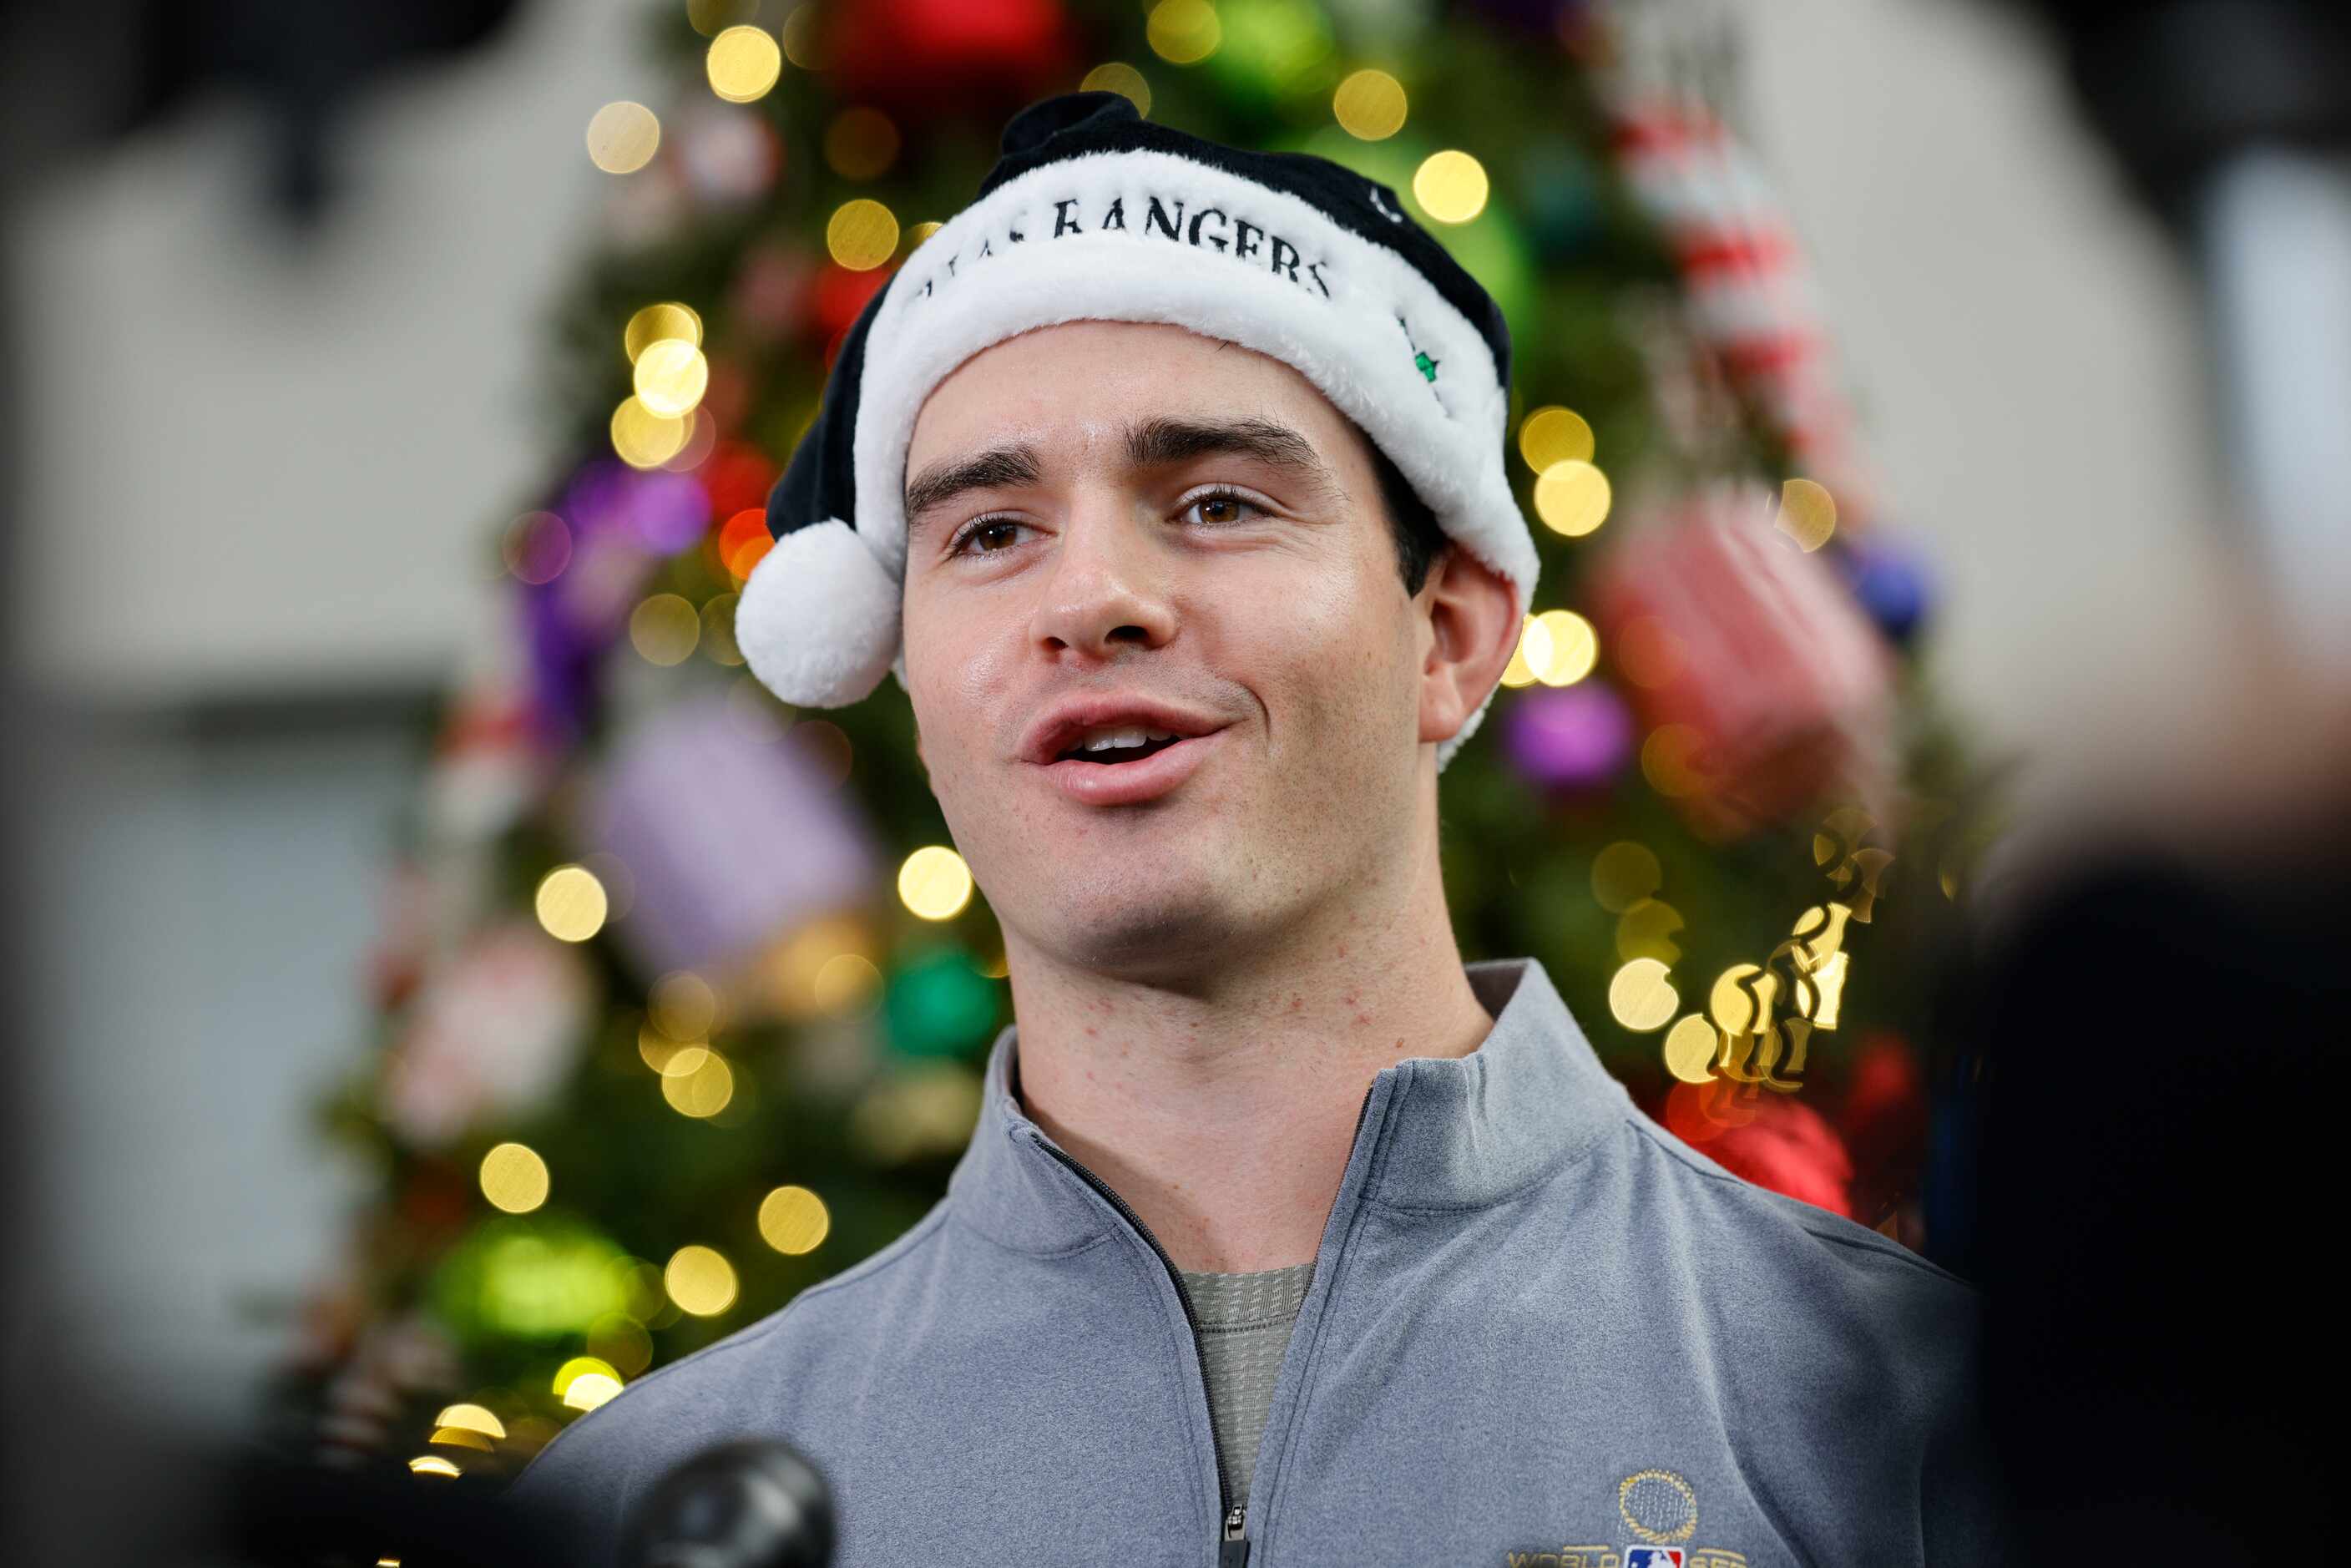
(1231, 505)
(990, 526)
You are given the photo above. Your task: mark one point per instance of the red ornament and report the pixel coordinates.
(1760, 684)
(1783, 1144)
(917, 59)
(841, 292)
(738, 477)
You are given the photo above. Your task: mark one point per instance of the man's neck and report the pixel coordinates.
(1223, 1108)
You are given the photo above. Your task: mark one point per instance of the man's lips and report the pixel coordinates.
(1130, 783)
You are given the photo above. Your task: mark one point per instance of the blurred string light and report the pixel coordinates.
(921, 232)
(537, 546)
(848, 985)
(1450, 186)
(1557, 647)
(1642, 997)
(571, 903)
(709, 15)
(860, 143)
(934, 882)
(1807, 513)
(700, 1281)
(701, 440)
(643, 439)
(671, 377)
(1554, 434)
(802, 40)
(1532, 654)
(719, 643)
(1647, 930)
(697, 1082)
(1689, 1050)
(794, 1220)
(683, 1006)
(1370, 105)
(664, 629)
(862, 233)
(654, 322)
(470, 1418)
(622, 1340)
(1669, 761)
(514, 1178)
(743, 64)
(1183, 31)
(434, 1465)
(1572, 498)
(622, 137)
(585, 1382)
(1624, 873)
(1116, 76)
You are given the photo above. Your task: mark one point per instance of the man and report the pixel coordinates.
(1169, 481)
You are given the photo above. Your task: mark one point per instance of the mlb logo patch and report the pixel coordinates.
(1655, 1557)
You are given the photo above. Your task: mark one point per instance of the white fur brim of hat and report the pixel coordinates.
(819, 618)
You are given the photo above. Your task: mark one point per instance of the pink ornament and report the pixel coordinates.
(495, 1029)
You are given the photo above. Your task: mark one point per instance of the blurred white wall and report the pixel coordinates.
(2025, 350)
(261, 470)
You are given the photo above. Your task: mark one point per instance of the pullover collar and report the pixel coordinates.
(1446, 1131)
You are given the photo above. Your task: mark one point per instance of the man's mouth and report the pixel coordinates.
(1110, 746)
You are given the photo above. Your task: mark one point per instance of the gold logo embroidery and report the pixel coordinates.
(1658, 1506)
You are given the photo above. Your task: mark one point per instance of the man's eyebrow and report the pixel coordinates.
(1155, 442)
(942, 482)
(1152, 443)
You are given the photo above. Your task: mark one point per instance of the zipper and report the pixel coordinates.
(1233, 1547)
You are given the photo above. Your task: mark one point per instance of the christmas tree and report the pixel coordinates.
(682, 995)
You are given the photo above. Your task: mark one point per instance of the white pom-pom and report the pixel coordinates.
(817, 621)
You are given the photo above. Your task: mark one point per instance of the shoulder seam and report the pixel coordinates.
(1867, 1241)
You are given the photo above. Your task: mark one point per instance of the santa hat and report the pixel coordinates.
(1093, 213)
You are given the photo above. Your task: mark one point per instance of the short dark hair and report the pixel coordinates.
(1418, 537)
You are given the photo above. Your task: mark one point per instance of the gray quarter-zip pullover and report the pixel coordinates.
(1538, 1331)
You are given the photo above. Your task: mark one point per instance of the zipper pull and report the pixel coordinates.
(1236, 1549)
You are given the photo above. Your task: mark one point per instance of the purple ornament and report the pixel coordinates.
(1573, 737)
(669, 511)
(732, 836)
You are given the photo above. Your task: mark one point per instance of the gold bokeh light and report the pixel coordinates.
(1572, 498)
(622, 137)
(571, 903)
(934, 882)
(1624, 873)
(794, 1220)
(1370, 105)
(1554, 434)
(655, 322)
(1575, 648)
(743, 64)
(643, 439)
(1450, 186)
(1642, 997)
(664, 629)
(862, 233)
(1118, 76)
(700, 1281)
(1184, 32)
(514, 1178)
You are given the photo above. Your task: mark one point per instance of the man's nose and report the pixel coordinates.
(1108, 584)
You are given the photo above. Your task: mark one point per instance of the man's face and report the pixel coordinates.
(1135, 516)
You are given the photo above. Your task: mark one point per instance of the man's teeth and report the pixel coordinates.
(1109, 739)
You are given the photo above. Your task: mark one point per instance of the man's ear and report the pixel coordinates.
(1470, 611)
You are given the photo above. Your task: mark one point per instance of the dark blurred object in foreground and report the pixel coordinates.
(2154, 1222)
(86, 74)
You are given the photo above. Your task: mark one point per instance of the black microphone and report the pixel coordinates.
(754, 1503)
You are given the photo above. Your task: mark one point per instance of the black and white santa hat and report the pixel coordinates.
(1095, 213)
